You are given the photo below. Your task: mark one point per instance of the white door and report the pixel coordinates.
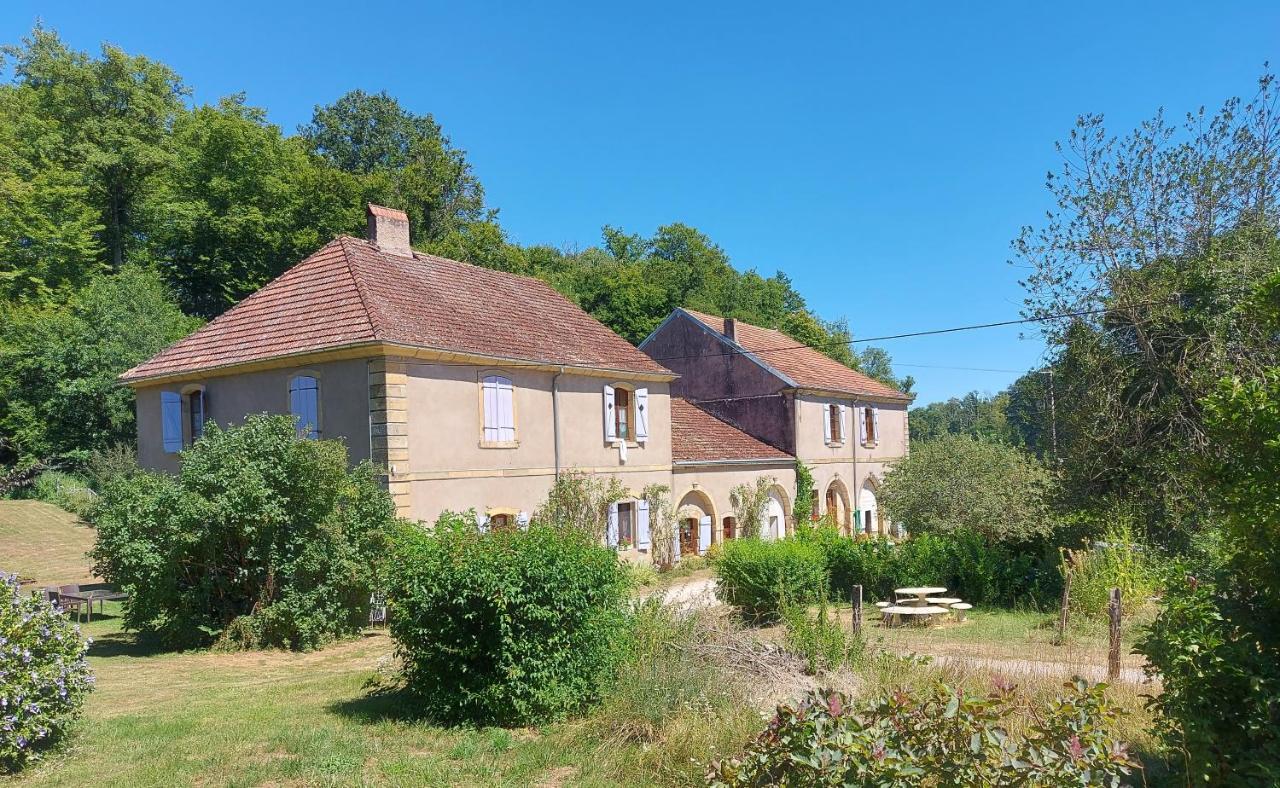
(774, 518)
(870, 514)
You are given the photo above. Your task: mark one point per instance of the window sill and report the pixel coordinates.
(869, 445)
(834, 444)
(630, 444)
(499, 444)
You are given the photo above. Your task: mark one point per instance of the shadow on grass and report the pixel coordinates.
(127, 644)
(382, 705)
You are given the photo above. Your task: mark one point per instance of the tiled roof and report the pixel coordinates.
(349, 292)
(697, 436)
(807, 367)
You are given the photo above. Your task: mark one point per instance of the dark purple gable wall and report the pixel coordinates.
(723, 382)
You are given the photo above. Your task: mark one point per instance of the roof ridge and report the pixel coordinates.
(374, 329)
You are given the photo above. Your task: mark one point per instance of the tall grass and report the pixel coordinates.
(1118, 561)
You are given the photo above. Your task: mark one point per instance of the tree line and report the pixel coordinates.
(131, 214)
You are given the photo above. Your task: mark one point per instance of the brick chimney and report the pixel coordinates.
(730, 327)
(389, 229)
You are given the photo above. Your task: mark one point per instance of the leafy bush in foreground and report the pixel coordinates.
(43, 674)
(943, 738)
(758, 577)
(506, 627)
(261, 539)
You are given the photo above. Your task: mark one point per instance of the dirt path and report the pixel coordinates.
(691, 593)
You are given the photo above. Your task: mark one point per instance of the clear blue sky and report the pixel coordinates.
(883, 156)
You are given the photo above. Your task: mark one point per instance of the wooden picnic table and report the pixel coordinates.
(90, 595)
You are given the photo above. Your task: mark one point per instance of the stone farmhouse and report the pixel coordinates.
(476, 389)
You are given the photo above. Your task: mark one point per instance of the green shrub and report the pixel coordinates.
(43, 675)
(110, 463)
(1119, 562)
(758, 576)
(262, 539)
(818, 639)
(508, 627)
(961, 561)
(64, 490)
(945, 737)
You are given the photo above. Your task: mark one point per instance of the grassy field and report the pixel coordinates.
(276, 718)
(42, 542)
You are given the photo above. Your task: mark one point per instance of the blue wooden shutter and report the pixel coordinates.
(875, 425)
(861, 415)
(826, 422)
(304, 404)
(675, 541)
(704, 534)
(844, 430)
(642, 525)
(611, 528)
(171, 421)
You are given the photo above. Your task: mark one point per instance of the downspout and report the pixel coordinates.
(857, 488)
(555, 417)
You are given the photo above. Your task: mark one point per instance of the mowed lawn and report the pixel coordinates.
(161, 718)
(42, 542)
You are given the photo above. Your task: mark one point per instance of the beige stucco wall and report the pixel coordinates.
(344, 409)
(714, 482)
(811, 446)
(450, 469)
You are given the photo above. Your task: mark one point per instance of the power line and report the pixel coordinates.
(838, 343)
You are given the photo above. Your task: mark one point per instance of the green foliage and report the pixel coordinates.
(662, 524)
(262, 539)
(1220, 677)
(106, 120)
(507, 627)
(110, 463)
(962, 561)
(975, 415)
(64, 490)
(803, 507)
(820, 640)
(749, 502)
(671, 698)
(58, 390)
(401, 159)
(1216, 642)
(241, 203)
(956, 482)
(1118, 561)
(758, 577)
(1157, 236)
(580, 502)
(44, 676)
(945, 737)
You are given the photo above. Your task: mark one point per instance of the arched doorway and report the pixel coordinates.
(694, 518)
(837, 505)
(776, 512)
(869, 508)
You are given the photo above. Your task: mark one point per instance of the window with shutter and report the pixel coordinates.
(195, 415)
(171, 421)
(304, 404)
(626, 533)
(622, 414)
(869, 425)
(498, 405)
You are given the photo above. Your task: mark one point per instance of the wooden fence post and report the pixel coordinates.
(1065, 611)
(1113, 654)
(857, 611)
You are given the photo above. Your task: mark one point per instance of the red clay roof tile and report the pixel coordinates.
(350, 293)
(807, 367)
(697, 436)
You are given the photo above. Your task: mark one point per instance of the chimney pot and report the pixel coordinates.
(730, 327)
(388, 228)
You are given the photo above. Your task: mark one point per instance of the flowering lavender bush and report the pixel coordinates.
(43, 674)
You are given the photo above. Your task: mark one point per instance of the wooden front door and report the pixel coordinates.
(689, 537)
